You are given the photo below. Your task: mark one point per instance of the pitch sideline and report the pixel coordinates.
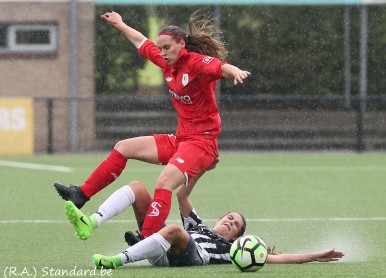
(35, 166)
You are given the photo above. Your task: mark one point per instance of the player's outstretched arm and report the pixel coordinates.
(238, 75)
(329, 256)
(189, 215)
(324, 256)
(115, 20)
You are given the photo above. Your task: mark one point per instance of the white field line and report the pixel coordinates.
(315, 219)
(35, 166)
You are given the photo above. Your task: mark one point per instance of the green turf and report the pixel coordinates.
(299, 202)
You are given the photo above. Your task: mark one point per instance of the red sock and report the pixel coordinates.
(106, 172)
(158, 212)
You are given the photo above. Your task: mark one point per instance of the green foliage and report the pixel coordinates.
(377, 50)
(290, 50)
(117, 61)
(293, 50)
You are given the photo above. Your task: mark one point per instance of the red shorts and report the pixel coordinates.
(191, 156)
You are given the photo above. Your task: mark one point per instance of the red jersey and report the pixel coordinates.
(192, 89)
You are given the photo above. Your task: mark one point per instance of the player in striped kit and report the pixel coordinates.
(192, 245)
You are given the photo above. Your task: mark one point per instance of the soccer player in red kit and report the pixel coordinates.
(191, 63)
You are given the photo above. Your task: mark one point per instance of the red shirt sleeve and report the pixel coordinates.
(151, 52)
(209, 66)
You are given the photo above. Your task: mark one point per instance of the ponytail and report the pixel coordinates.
(202, 38)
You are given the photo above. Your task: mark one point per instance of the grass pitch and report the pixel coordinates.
(299, 202)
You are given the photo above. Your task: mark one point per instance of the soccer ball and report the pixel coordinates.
(248, 253)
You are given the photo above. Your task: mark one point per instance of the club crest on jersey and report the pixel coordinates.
(185, 79)
(207, 59)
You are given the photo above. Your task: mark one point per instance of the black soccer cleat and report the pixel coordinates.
(132, 239)
(71, 193)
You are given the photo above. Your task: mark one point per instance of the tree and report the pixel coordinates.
(117, 60)
(290, 50)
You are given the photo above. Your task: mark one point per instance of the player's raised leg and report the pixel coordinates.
(140, 148)
(106, 172)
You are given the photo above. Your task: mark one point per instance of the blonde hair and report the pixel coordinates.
(202, 38)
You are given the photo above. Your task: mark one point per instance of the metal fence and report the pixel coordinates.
(248, 123)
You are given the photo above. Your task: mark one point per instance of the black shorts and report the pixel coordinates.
(188, 257)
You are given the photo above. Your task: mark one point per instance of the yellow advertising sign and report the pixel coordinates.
(16, 126)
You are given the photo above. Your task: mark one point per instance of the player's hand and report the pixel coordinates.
(329, 256)
(240, 75)
(112, 18)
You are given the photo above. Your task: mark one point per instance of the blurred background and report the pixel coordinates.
(71, 83)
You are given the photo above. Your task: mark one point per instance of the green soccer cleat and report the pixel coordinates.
(101, 261)
(80, 222)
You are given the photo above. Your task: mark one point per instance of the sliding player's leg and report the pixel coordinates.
(134, 194)
(172, 238)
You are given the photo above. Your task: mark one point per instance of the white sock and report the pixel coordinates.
(115, 204)
(150, 247)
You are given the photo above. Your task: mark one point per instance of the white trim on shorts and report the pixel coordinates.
(186, 179)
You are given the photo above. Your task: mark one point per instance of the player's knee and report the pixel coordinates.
(173, 233)
(181, 194)
(170, 178)
(120, 145)
(142, 196)
(162, 181)
(173, 230)
(137, 186)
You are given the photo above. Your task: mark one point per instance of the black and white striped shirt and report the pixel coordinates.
(213, 244)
